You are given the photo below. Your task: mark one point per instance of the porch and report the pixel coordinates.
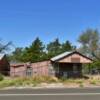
(69, 64)
(68, 69)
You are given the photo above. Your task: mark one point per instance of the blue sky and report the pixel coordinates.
(21, 21)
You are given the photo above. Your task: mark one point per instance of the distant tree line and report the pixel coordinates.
(37, 51)
(89, 41)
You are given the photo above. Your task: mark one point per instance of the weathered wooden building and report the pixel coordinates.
(29, 69)
(67, 64)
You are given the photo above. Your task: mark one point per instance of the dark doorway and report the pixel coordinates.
(69, 69)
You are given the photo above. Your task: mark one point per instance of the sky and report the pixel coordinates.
(21, 21)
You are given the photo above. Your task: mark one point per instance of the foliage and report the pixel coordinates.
(37, 51)
(93, 82)
(88, 68)
(95, 64)
(16, 55)
(67, 46)
(1, 77)
(54, 48)
(90, 43)
(33, 53)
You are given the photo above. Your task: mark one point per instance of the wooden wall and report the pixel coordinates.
(75, 58)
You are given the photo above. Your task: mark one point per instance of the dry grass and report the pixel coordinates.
(37, 80)
(32, 81)
(90, 82)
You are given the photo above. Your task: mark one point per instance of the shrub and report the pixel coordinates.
(63, 79)
(79, 81)
(81, 85)
(93, 82)
(6, 83)
(1, 77)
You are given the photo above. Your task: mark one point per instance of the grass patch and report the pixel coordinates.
(1, 77)
(81, 85)
(37, 80)
(77, 81)
(93, 82)
(32, 81)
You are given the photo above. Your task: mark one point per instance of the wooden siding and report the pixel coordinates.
(39, 68)
(75, 58)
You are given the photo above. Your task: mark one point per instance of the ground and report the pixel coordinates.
(49, 82)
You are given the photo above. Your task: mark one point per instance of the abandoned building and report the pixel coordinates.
(67, 64)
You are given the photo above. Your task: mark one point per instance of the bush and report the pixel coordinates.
(63, 79)
(81, 85)
(93, 82)
(1, 77)
(79, 81)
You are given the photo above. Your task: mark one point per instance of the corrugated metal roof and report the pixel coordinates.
(1, 56)
(66, 54)
(61, 56)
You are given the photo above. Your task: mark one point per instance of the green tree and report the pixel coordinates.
(35, 52)
(67, 46)
(38, 52)
(16, 55)
(54, 48)
(26, 56)
(90, 43)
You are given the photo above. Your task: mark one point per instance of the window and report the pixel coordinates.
(29, 71)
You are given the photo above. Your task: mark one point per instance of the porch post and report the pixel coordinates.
(58, 67)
